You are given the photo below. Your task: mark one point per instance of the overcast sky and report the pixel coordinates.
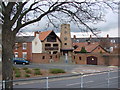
(109, 26)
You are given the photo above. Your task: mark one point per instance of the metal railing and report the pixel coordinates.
(81, 76)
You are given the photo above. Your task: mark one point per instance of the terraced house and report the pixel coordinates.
(42, 47)
(47, 47)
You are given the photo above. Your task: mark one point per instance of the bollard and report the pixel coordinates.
(82, 81)
(3, 84)
(47, 82)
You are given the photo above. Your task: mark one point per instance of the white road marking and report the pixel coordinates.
(73, 84)
(112, 78)
(88, 81)
(78, 83)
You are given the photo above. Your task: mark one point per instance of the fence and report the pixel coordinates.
(104, 79)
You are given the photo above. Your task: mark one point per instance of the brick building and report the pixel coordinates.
(42, 44)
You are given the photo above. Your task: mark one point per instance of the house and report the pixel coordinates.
(89, 47)
(41, 43)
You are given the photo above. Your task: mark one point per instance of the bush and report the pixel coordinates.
(17, 71)
(25, 68)
(56, 71)
(36, 69)
(37, 72)
(28, 71)
(27, 75)
(17, 75)
(83, 50)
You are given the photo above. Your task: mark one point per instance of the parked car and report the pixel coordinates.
(20, 61)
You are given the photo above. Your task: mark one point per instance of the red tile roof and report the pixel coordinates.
(44, 34)
(88, 48)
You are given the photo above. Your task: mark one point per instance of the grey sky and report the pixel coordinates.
(110, 24)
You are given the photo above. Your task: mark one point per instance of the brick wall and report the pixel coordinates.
(45, 58)
(102, 59)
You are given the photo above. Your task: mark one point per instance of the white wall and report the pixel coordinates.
(36, 45)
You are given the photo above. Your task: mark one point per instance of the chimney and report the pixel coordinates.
(36, 33)
(90, 37)
(107, 35)
(74, 36)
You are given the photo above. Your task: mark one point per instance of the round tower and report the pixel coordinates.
(65, 37)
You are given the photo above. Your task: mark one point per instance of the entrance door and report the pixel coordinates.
(91, 60)
(65, 52)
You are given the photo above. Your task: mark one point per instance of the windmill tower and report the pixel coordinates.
(65, 37)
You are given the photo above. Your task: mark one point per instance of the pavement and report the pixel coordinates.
(92, 68)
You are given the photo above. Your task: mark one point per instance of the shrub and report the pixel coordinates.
(37, 72)
(27, 75)
(17, 75)
(36, 69)
(17, 71)
(25, 68)
(56, 71)
(28, 71)
(83, 50)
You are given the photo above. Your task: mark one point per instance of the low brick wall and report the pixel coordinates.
(102, 59)
(45, 58)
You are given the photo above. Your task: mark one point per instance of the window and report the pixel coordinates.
(74, 57)
(54, 52)
(16, 46)
(65, 38)
(43, 57)
(112, 41)
(77, 40)
(24, 55)
(50, 57)
(65, 27)
(65, 43)
(56, 56)
(16, 54)
(55, 45)
(47, 45)
(79, 58)
(24, 46)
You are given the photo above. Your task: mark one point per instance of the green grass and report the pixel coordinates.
(56, 71)
(28, 71)
(36, 69)
(17, 75)
(37, 72)
(27, 75)
(25, 68)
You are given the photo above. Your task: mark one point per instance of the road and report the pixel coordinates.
(89, 81)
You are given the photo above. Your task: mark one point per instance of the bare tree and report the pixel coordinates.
(16, 15)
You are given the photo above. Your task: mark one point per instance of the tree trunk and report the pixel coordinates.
(8, 40)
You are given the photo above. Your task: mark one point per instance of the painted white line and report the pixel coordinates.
(73, 84)
(112, 78)
(88, 81)
(78, 83)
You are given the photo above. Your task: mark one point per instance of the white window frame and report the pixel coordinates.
(23, 55)
(24, 48)
(16, 54)
(113, 41)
